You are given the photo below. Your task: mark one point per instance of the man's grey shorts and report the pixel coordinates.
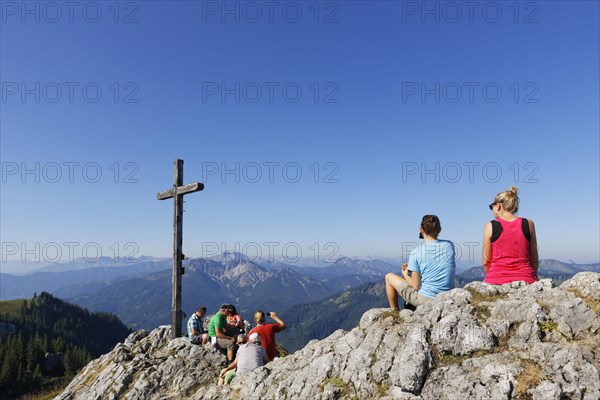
(223, 343)
(410, 295)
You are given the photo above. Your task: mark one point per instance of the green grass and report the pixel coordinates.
(548, 326)
(394, 314)
(53, 388)
(283, 392)
(12, 308)
(373, 359)
(477, 297)
(337, 382)
(482, 312)
(593, 304)
(281, 351)
(191, 390)
(443, 359)
(382, 389)
(531, 375)
(545, 306)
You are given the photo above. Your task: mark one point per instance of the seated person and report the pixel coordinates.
(235, 323)
(217, 332)
(249, 357)
(430, 269)
(509, 243)
(267, 331)
(241, 339)
(195, 327)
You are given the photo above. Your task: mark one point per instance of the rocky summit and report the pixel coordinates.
(514, 341)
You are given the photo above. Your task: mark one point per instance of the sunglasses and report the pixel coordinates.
(491, 206)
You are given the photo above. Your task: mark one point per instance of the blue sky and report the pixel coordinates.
(388, 110)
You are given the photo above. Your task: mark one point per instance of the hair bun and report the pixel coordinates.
(513, 190)
(431, 225)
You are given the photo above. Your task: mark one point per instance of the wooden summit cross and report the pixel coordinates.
(177, 193)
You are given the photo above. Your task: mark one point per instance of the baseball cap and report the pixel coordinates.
(254, 337)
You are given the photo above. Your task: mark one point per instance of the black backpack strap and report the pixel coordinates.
(525, 228)
(496, 230)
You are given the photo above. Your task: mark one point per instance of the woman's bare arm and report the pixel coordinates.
(486, 255)
(533, 251)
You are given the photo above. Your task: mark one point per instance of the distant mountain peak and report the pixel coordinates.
(231, 256)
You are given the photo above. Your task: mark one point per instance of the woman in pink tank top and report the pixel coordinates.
(509, 243)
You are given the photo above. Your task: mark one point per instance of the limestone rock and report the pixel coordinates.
(482, 342)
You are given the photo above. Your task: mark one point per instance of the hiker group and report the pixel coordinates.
(246, 349)
(509, 254)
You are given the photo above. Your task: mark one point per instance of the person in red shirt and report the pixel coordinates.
(267, 331)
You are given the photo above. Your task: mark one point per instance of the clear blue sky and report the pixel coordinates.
(389, 90)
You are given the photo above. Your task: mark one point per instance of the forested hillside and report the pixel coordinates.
(44, 339)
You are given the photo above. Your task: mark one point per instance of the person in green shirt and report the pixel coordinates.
(217, 332)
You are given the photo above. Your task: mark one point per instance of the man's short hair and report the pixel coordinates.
(225, 306)
(201, 309)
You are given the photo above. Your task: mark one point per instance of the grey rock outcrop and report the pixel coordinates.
(514, 341)
(147, 366)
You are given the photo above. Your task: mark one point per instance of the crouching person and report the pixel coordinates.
(249, 357)
(430, 269)
(217, 329)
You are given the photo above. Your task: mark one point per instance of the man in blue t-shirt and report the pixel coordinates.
(430, 269)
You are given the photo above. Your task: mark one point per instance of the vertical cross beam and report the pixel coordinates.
(177, 193)
(177, 251)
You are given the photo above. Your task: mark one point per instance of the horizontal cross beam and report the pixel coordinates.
(180, 190)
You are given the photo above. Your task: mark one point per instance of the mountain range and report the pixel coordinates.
(319, 319)
(144, 302)
(72, 279)
(309, 298)
(19, 267)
